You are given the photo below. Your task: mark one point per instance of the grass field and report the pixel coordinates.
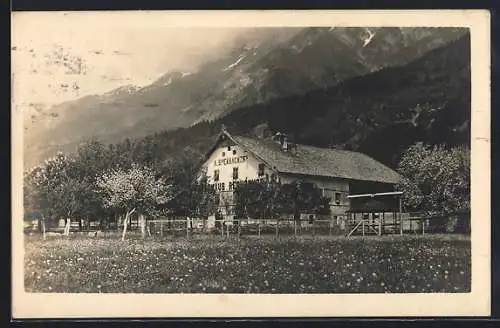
(322, 265)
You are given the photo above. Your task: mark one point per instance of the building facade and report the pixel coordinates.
(338, 173)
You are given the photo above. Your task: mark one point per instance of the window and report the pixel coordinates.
(327, 193)
(216, 175)
(337, 198)
(330, 194)
(223, 154)
(261, 170)
(234, 151)
(235, 173)
(228, 147)
(336, 219)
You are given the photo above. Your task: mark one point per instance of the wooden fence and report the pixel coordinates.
(413, 223)
(239, 227)
(409, 223)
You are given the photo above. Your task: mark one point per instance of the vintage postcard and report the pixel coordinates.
(251, 164)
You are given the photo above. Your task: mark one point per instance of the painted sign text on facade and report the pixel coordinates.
(232, 160)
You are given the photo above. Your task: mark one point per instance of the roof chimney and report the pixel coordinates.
(292, 148)
(282, 139)
(284, 144)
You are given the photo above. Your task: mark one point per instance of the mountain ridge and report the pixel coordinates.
(432, 90)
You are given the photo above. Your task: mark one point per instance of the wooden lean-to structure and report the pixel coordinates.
(376, 213)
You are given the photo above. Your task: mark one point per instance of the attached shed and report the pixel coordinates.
(375, 213)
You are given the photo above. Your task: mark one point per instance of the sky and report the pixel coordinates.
(66, 58)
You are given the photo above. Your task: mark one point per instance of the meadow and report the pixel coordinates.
(213, 264)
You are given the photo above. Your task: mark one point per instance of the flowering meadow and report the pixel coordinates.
(388, 264)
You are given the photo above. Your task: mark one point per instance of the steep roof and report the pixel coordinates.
(325, 162)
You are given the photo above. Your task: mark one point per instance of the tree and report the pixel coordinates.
(257, 199)
(196, 200)
(90, 161)
(202, 198)
(49, 189)
(302, 197)
(135, 189)
(436, 179)
(271, 199)
(34, 201)
(249, 200)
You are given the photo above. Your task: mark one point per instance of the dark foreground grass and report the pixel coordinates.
(321, 265)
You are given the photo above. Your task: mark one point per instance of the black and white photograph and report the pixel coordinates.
(250, 161)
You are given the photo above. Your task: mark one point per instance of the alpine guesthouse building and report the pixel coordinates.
(338, 173)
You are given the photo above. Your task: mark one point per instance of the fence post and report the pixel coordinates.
(258, 226)
(187, 228)
(43, 228)
(379, 227)
(277, 227)
(400, 224)
(295, 227)
(363, 224)
(239, 229)
(383, 222)
(400, 216)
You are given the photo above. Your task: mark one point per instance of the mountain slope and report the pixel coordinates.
(322, 57)
(380, 113)
(284, 62)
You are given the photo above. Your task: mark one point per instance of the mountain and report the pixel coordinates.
(322, 57)
(264, 66)
(380, 113)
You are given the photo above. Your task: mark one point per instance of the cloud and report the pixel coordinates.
(99, 56)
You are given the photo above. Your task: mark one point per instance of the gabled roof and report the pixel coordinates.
(324, 162)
